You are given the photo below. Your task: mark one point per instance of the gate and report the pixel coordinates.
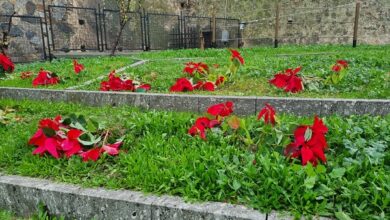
(163, 31)
(193, 28)
(73, 28)
(228, 32)
(132, 37)
(26, 38)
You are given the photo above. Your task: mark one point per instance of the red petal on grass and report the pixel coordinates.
(92, 154)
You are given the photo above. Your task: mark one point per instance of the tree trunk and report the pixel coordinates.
(117, 39)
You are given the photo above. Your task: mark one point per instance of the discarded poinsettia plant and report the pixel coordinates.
(309, 143)
(45, 78)
(77, 67)
(122, 83)
(6, 64)
(339, 71)
(199, 76)
(73, 135)
(288, 80)
(220, 119)
(236, 61)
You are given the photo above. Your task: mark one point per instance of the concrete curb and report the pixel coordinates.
(23, 195)
(199, 103)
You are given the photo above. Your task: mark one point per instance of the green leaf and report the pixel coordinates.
(342, 216)
(140, 90)
(236, 185)
(87, 139)
(49, 132)
(310, 182)
(337, 173)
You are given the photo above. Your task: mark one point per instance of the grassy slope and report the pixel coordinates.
(368, 76)
(161, 158)
(94, 67)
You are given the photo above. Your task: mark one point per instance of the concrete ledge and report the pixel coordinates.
(199, 103)
(23, 195)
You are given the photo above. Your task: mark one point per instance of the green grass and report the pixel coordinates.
(159, 157)
(368, 75)
(94, 67)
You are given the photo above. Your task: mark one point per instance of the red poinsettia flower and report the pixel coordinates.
(112, 149)
(6, 64)
(77, 67)
(71, 145)
(268, 112)
(340, 65)
(92, 154)
(337, 68)
(288, 80)
(236, 55)
(309, 143)
(220, 80)
(182, 85)
(45, 142)
(198, 130)
(343, 63)
(207, 86)
(26, 75)
(45, 78)
(51, 124)
(222, 110)
(191, 68)
(115, 83)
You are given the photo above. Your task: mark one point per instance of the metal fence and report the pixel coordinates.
(133, 34)
(73, 28)
(67, 28)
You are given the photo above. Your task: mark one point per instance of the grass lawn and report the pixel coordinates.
(160, 157)
(94, 67)
(368, 74)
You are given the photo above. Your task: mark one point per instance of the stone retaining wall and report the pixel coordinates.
(23, 196)
(199, 103)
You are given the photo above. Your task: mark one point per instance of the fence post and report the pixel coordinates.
(356, 25)
(277, 19)
(201, 40)
(214, 32)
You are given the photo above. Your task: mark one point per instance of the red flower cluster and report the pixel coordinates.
(26, 75)
(115, 83)
(340, 65)
(58, 139)
(191, 68)
(219, 111)
(309, 143)
(288, 80)
(268, 113)
(77, 67)
(6, 64)
(236, 56)
(185, 85)
(45, 78)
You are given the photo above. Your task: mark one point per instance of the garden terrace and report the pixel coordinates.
(158, 156)
(367, 76)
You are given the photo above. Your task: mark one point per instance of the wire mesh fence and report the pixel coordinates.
(73, 28)
(132, 37)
